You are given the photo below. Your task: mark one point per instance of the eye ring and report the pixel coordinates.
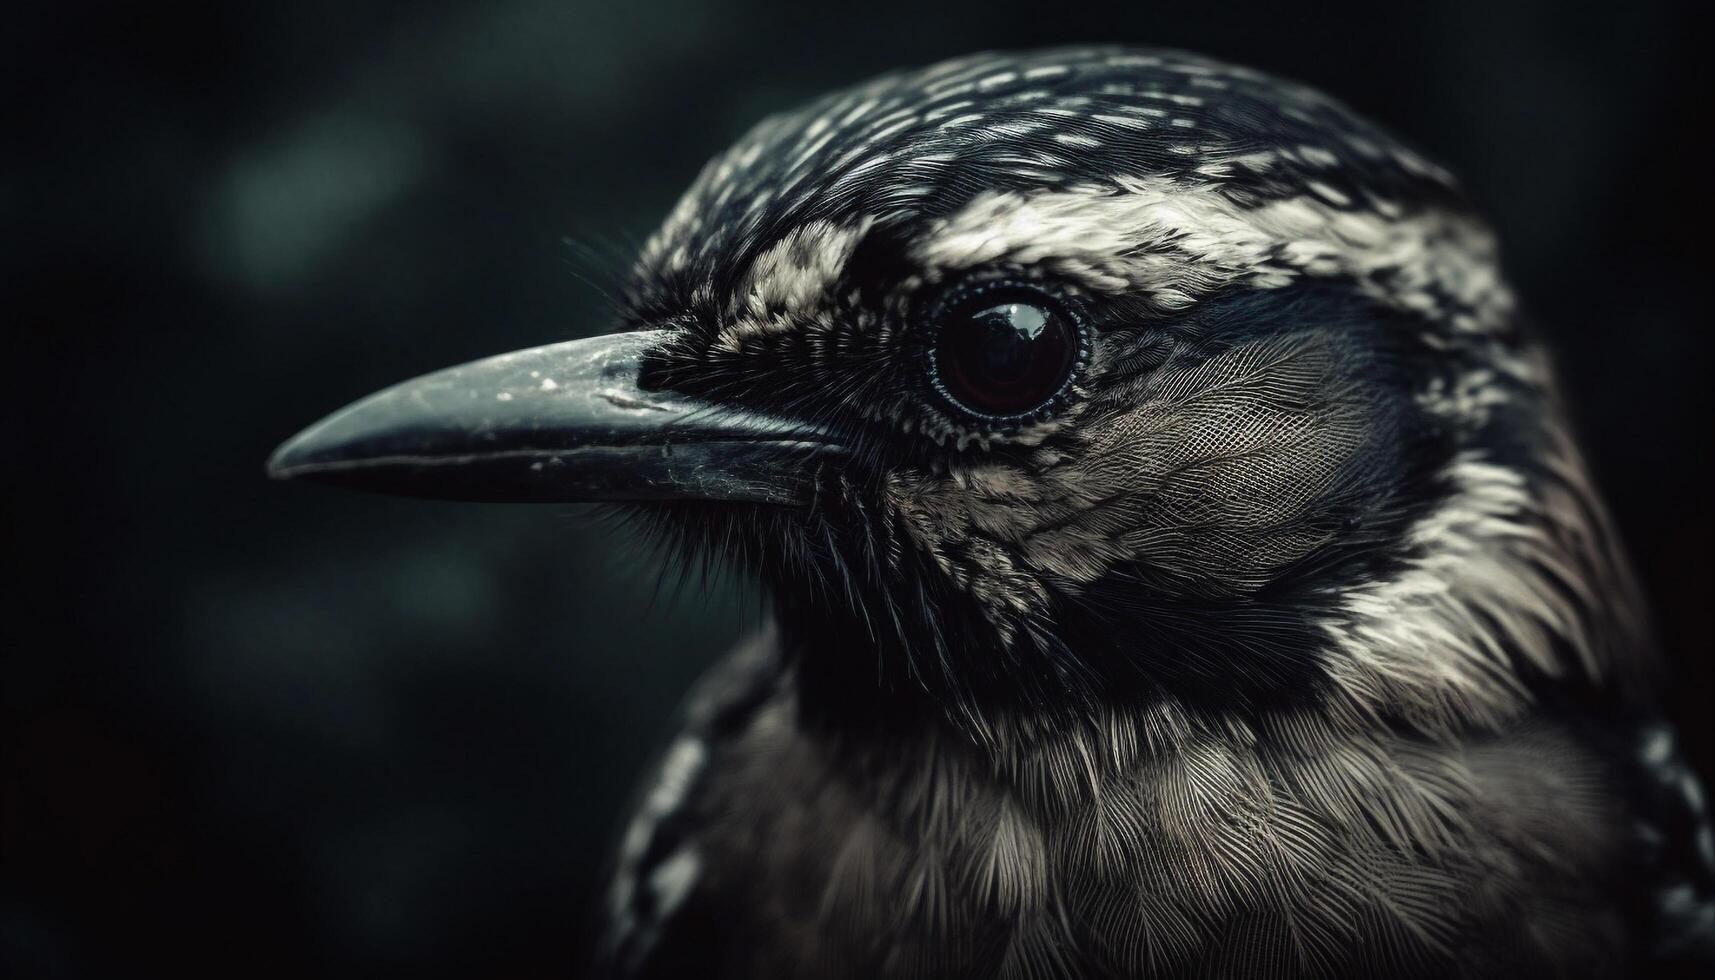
(1003, 353)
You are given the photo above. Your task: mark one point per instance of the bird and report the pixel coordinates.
(1180, 559)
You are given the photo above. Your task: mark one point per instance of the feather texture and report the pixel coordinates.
(1293, 642)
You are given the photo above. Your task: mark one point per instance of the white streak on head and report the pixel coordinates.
(968, 119)
(858, 112)
(793, 276)
(1077, 140)
(1125, 122)
(1183, 240)
(1330, 194)
(946, 109)
(1318, 156)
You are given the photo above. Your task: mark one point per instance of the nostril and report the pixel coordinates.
(656, 367)
(652, 374)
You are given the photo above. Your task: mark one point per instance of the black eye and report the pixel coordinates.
(1004, 352)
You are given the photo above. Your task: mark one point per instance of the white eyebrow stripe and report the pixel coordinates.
(1181, 240)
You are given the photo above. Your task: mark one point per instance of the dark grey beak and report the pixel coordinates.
(565, 422)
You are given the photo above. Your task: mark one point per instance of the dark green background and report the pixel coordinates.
(282, 730)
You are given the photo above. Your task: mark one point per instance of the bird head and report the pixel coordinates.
(1033, 384)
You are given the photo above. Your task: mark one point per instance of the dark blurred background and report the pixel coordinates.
(281, 730)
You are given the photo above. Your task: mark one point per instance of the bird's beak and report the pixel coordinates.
(565, 422)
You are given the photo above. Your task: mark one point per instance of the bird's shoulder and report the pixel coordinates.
(767, 846)
(661, 860)
(1676, 847)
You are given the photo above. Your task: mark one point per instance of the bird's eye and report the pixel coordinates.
(1003, 352)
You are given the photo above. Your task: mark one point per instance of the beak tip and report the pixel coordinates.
(277, 467)
(292, 460)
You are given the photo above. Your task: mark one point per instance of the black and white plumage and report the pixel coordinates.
(1181, 561)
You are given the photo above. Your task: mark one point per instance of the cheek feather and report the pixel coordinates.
(1210, 482)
